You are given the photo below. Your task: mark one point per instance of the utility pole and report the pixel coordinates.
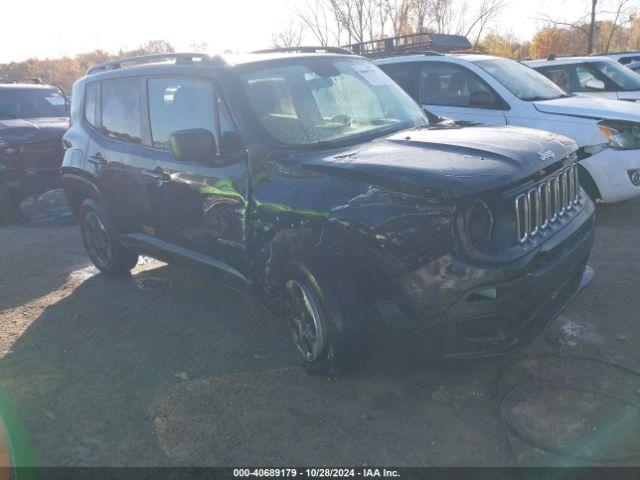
(592, 29)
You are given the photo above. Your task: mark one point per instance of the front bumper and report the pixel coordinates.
(443, 310)
(610, 171)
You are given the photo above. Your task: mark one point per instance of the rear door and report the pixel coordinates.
(112, 111)
(450, 90)
(197, 211)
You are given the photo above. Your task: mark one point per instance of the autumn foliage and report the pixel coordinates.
(64, 71)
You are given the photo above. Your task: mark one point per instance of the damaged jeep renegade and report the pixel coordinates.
(314, 183)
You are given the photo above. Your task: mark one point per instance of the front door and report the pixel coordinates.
(454, 91)
(196, 211)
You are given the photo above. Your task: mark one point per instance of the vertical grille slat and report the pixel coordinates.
(547, 203)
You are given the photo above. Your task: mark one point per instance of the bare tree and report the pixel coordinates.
(586, 24)
(442, 15)
(291, 36)
(420, 10)
(621, 10)
(354, 17)
(316, 16)
(488, 11)
(399, 13)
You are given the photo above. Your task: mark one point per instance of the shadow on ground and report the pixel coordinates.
(168, 368)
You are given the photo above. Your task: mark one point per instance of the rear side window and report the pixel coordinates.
(450, 85)
(90, 100)
(120, 107)
(627, 60)
(180, 104)
(572, 78)
(404, 74)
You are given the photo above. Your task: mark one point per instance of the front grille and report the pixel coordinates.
(546, 203)
(42, 154)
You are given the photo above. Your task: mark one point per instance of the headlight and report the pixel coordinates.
(488, 225)
(625, 136)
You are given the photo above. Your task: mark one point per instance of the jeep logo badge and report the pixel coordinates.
(546, 155)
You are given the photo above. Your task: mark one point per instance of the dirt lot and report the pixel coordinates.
(168, 368)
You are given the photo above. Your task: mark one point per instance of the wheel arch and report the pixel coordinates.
(78, 187)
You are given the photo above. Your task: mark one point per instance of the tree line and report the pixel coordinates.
(602, 26)
(62, 72)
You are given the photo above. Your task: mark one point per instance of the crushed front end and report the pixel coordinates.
(496, 293)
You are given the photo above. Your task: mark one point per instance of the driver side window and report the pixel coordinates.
(184, 104)
(453, 86)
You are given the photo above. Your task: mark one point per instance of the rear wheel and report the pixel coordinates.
(106, 253)
(325, 327)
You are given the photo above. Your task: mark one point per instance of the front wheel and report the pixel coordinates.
(325, 327)
(106, 253)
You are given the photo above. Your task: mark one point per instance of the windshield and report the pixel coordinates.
(31, 103)
(624, 78)
(330, 100)
(522, 81)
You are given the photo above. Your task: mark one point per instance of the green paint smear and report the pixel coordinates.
(23, 454)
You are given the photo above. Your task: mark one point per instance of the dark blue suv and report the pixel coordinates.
(314, 183)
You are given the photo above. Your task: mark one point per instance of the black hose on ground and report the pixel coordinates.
(510, 428)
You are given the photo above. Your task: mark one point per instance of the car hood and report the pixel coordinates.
(591, 107)
(21, 130)
(456, 161)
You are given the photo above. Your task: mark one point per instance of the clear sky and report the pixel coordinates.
(49, 29)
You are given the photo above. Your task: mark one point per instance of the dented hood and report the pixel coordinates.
(22, 130)
(457, 161)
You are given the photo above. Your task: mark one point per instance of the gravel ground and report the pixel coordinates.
(168, 368)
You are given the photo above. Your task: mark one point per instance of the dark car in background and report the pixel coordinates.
(33, 118)
(315, 183)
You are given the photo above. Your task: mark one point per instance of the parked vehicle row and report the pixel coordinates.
(498, 91)
(315, 183)
(33, 118)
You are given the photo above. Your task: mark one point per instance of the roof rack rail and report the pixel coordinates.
(338, 50)
(431, 53)
(34, 80)
(614, 53)
(180, 58)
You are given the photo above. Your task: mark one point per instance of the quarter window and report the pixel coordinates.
(120, 107)
(451, 85)
(180, 104)
(90, 100)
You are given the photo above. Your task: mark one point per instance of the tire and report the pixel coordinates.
(327, 333)
(106, 253)
(9, 213)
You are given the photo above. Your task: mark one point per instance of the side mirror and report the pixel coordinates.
(595, 84)
(193, 145)
(483, 100)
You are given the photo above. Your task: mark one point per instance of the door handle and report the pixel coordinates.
(97, 159)
(159, 176)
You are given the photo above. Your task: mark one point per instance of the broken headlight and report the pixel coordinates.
(625, 136)
(488, 225)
